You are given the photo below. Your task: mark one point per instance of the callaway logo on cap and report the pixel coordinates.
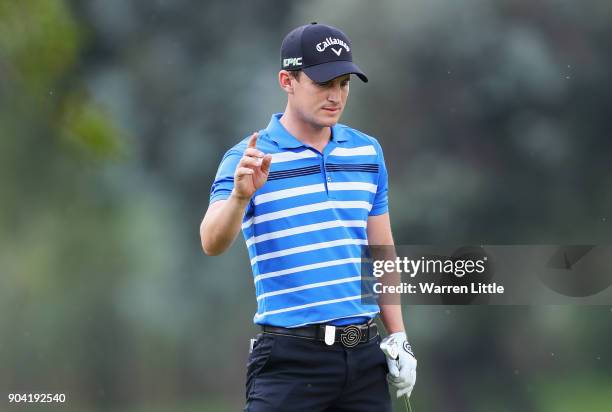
(322, 52)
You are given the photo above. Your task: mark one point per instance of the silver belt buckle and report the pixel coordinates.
(350, 336)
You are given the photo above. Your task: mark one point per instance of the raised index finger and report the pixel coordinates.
(253, 140)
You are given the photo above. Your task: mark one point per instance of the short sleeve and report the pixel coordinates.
(381, 201)
(224, 179)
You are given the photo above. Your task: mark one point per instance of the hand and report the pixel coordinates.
(401, 361)
(252, 170)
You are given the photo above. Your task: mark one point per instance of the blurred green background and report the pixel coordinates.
(114, 115)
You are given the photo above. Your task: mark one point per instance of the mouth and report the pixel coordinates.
(331, 109)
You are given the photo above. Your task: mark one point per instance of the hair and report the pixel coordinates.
(295, 74)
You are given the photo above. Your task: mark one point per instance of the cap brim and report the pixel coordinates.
(326, 71)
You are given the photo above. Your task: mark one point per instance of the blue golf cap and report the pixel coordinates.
(322, 52)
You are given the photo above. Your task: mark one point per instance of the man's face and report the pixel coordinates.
(320, 104)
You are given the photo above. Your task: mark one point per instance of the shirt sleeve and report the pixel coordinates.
(381, 201)
(224, 179)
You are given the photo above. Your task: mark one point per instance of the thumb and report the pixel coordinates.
(265, 164)
(393, 368)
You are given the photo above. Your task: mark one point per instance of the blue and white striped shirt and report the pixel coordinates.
(306, 226)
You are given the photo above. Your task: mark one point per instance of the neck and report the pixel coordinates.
(307, 133)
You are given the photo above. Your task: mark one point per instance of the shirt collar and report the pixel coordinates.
(286, 140)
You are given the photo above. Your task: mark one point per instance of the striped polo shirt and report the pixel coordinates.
(306, 226)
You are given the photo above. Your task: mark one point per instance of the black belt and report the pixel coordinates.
(349, 335)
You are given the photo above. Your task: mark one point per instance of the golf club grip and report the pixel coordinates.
(407, 403)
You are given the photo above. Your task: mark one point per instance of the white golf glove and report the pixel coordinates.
(401, 361)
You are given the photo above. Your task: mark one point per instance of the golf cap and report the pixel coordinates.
(322, 52)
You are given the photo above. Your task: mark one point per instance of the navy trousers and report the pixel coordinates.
(286, 373)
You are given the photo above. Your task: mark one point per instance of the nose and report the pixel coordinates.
(334, 93)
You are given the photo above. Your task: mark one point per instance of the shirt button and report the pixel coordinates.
(329, 178)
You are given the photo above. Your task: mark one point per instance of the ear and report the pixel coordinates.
(285, 81)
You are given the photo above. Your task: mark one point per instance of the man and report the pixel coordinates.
(308, 194)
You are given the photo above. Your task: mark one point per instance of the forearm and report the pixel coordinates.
(391, 316)
(219, 228)
(382, 247)
(391, 303)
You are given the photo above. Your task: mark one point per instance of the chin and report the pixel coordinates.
(329, 121)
